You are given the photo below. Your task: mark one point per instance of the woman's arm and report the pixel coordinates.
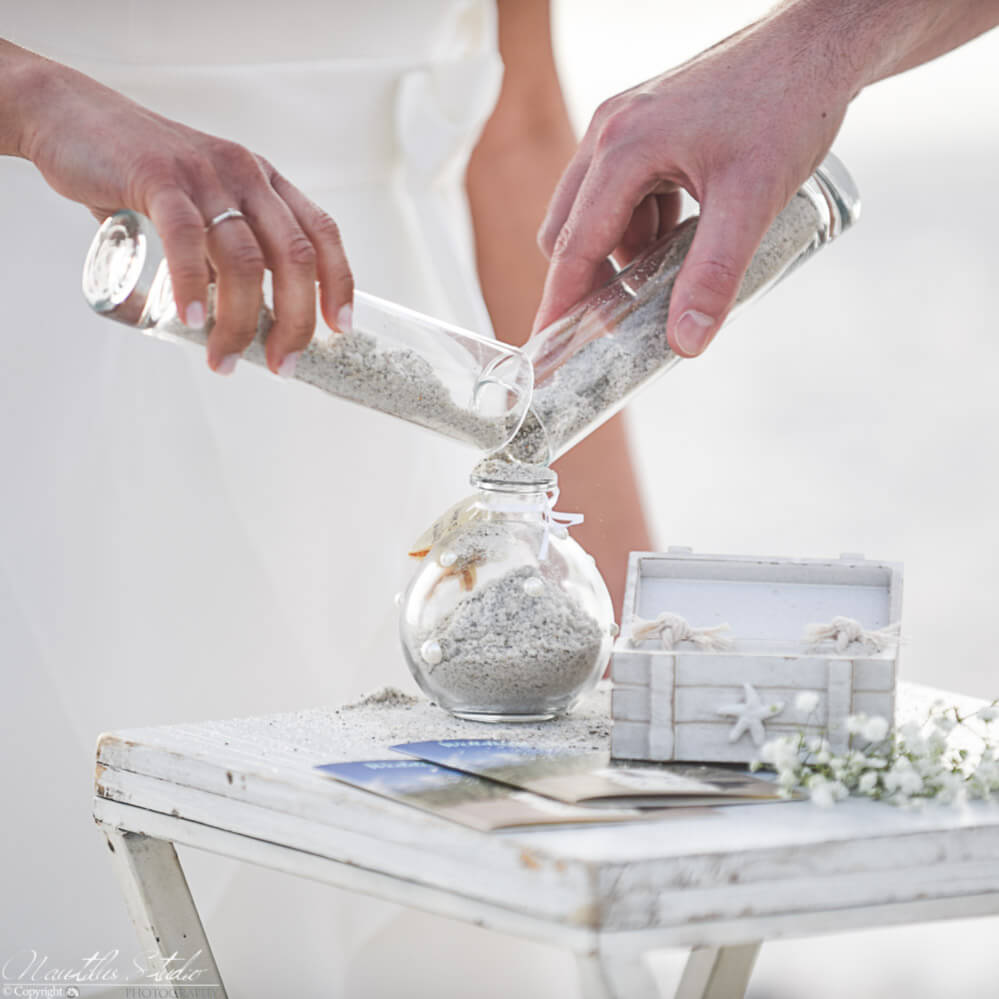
(98, 148)
(522, 152)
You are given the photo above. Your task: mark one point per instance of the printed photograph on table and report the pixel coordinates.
(464, 798)
(590, 777)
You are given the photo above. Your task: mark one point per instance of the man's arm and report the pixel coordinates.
(522, 152)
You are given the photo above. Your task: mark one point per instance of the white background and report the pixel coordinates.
(853, 409)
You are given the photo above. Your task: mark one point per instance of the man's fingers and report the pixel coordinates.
(670, 207)
(563, 199)
(599, 217)
(336, 283)
(730, 228)
(291, 257)
(642, 230)
(182, 231)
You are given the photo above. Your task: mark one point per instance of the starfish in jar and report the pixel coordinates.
(462, 569)
(461, 557)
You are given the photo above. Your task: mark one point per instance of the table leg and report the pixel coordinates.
(718, 972)
(616, 971)
(159, 901)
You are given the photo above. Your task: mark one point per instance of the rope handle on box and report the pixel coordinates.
(843, 632)
(672, 629)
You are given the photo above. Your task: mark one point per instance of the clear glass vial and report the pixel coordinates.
(590, 362)
(397, 361)
(507, 618)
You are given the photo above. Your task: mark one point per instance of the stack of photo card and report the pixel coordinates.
(491, 784)
(590, 778)
(472, 801)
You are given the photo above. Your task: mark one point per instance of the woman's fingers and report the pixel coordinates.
(336, 283)
(239, 264)
(182, 231)
(278, 229)
(286, 233)
(291, 258)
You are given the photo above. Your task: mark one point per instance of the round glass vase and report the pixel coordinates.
(507, 618)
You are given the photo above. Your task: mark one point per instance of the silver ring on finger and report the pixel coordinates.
(229, 213)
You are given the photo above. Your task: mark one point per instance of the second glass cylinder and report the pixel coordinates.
(589, 363)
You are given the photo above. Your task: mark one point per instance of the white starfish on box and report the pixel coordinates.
(751, 716)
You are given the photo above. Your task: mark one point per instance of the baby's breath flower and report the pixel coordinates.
(855, 723)
(936, 743)
(807, 701)
(914, 763)
(822, 794)
(950, 787)
(823, 797)
(875, 729)
(868, 782)
(781, 753)
(902, 777)
(945, 723)
(788, 779)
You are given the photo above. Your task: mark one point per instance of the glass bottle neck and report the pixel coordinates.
(514, 500)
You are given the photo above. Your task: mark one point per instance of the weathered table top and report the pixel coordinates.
(734, 873)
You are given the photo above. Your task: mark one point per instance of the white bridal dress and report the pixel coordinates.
(177, 546)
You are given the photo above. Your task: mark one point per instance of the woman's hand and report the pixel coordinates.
(98, 148)
(739, 127)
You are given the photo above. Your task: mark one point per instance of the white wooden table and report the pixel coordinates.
(718, 883)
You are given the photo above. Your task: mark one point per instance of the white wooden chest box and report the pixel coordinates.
(678, 701)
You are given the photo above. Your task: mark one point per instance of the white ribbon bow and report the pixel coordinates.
(549, 515)
(559, 519)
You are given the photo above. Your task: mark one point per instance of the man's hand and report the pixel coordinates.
(739, 127)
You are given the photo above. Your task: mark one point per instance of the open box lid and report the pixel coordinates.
(767, 602)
